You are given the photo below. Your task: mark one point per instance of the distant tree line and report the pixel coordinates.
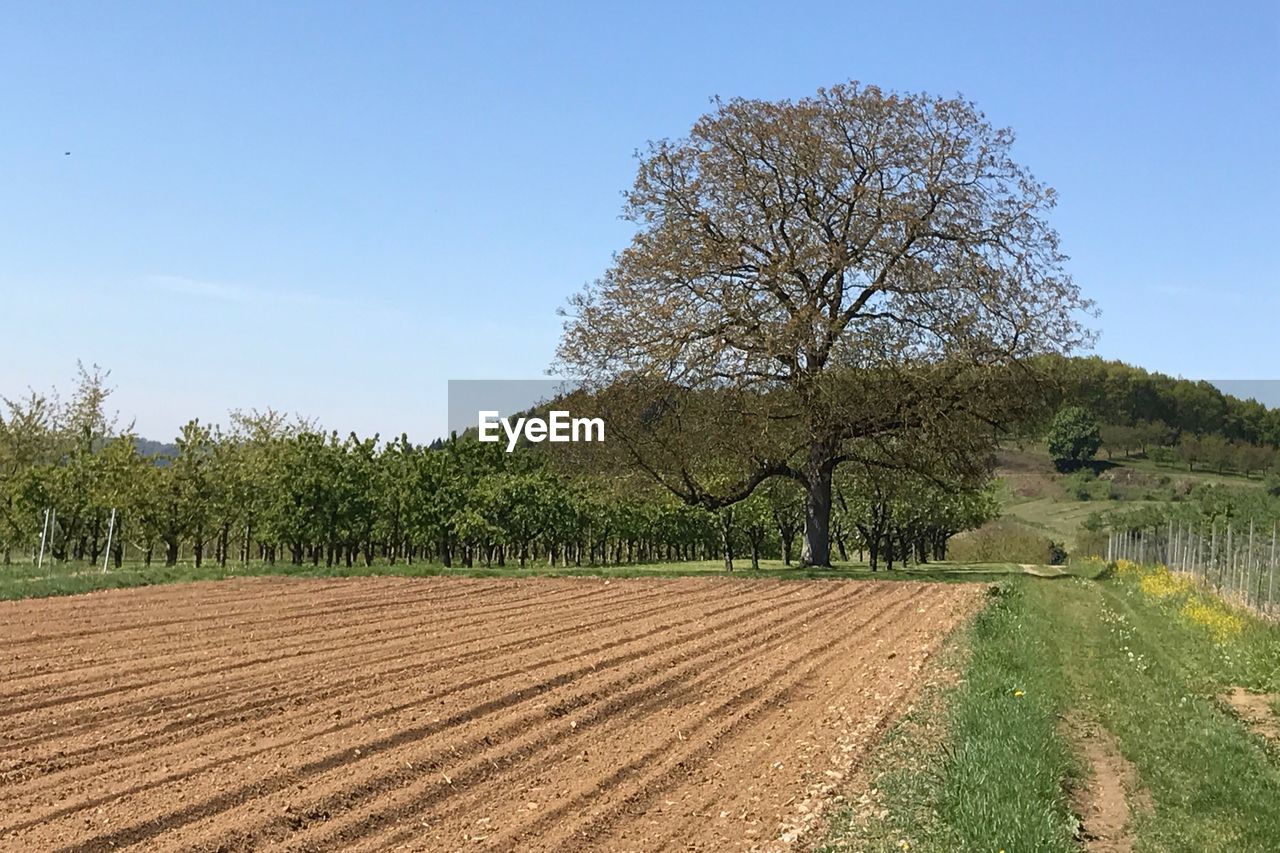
(1145, 410)
(1197, 452)
(1126, 411)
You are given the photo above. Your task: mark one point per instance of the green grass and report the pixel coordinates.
(1050, 508)
(22, 580)
(1061, 519)
(1151, 678)
(996, 779)
(1180, 472)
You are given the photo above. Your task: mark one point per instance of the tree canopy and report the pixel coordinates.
(1074, 437)
(859, 260)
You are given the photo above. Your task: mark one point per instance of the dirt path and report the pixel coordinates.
(376, 714)
(1256, 710)
(1107, 800)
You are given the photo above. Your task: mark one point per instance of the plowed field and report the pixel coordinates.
(450, 714)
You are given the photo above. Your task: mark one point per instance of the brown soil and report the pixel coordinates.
(1107, 800)
(1256, 710)
(377, 714)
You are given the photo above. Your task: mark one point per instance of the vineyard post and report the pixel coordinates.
(1211, 566)
(1193, 546)
(1271, 584)
(1229, 563)
(111, 527)
(1198, 558)
(44, 531)
(1249, 567)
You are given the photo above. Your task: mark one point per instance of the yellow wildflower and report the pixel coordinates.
(1214, 617)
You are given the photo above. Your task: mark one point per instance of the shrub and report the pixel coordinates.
(1002, 541)
(1272, 484)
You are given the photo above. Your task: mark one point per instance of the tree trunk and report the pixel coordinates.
(224, 545)
(726, 543)
(816, 550)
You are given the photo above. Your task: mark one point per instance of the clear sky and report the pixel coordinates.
(335, 208)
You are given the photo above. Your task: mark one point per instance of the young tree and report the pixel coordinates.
(1192, 450)
(783, 244)
(27, 442)
(1073, 437)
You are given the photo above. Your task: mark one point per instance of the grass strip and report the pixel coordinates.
(979, 765)
(985, 766)
(23, 581)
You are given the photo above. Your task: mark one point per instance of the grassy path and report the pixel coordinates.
(994, 768)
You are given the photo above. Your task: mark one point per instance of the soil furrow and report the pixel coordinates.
(433, 713)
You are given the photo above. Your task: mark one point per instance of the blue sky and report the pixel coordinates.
(335, 208)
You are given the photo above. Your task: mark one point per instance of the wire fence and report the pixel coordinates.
(1241, 564)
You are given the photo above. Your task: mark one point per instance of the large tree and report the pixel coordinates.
(805, 251)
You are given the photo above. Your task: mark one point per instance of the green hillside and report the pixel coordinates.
(1034, 495)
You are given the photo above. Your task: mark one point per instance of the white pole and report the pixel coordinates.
(1213, 556)
(111, 526)
(1230, 558)
(1271, 583)
(44, 532)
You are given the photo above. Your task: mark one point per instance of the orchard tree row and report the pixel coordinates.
(1074, 435)
(266, 488)
(1217, 453)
